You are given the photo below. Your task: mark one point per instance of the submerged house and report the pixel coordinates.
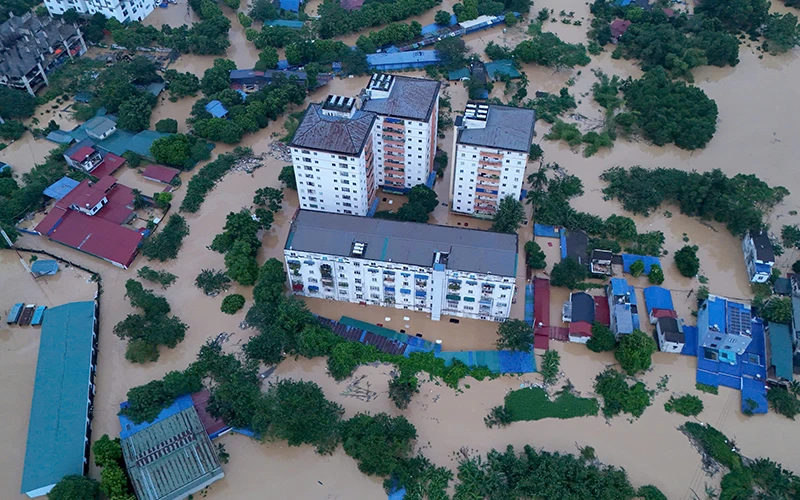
(724, 327)
(622, 307)
(759, 257)
(86, 157)
(669, 331)
(579, 312)
(600, 262)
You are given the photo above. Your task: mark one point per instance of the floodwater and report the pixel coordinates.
(650, 449)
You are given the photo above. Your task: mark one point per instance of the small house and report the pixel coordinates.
(159, 173)
(759, 257)
(670, 334)
(577, 243)
(618, 28)
(658, 302)
(779, 354)
(600, 262)
(622, 307)
(578, 311)
(216, 109)
(100, 127)
(83, 156)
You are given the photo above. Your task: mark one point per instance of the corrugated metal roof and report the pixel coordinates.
(619, 286)
(61, 188)
(401, 58)
(171, 458)
(333, 133)
(656, 297)
(57, 426)
(411, 243)
(216, 109)
(624, 318)
(780, 342)
(410, 98)
(647, 260)
(507, 128)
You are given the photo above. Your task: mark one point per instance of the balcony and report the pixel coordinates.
(397, 151)
(394, 129)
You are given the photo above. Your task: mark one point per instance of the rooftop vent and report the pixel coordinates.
(381, 81)
(358, 249)
(476, 111)
(337, 105)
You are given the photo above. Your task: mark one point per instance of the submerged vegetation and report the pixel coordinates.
(533, 403)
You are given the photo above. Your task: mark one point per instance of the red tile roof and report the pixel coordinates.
(105, 183)
(82, 153)
(601, 311)
(211, 424)
(619, 27)
(580, 328)
(98, 237)
(160, 174)
(109, 165)
(663, 313)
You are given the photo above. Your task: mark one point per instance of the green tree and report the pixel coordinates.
(167, 126)
(536, 152)
(442, 18)
(212, 281)
(263, 10)
(778, 310)
(11, 130)
(546, 49)
(271, 281)
(452, 52)
(742, 15)
(781, 33)
(134, 114)
(106, 451)
(687, 261)
(637, 268)
(232, 303)
(656, 276)
(176, 150)
(241, 264)
(218, 77)
(619, 397)
(75, 488)
(635, 352)
(783, 402)
(378, 442)
(602, 338)
(650, 492)
(269, 197)
(267, 59)
(165, 245)
(181, 84)
(534, 256)
(515, 335)
(567, 273)
(687, 405)
(551, 363)
(402, 389)
(287, 177)
(509, 216)
(423, 195)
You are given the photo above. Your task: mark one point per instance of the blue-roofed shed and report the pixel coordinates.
(292, 5)
(42, 267)
(60, 188)
(756, 391)
(628, 259)
(656, 297)
(216, 109)
(129, 428)
(4, 167)
(619, 286)
(283, 64)
(496, 69)
(296, 25)
(59, 418)
(59, 137)
(780, 343)
(402, 60)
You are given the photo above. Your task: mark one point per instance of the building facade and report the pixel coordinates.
(670, 334)
(31, 47)
(438, 270)
(405, 134)
(759, 257)
(333, 158)
(490, 151)
(122, 10)
(724, 327)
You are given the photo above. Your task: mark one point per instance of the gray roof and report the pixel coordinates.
(507, 128)
(332, 133)
(410, 243)
(171, 458)
(671, 330)
(57, 426)
(796, 313)
(23, 39)
(582, 307)
(764, 250)
(99, 125)
(410, 98)
(624, 318)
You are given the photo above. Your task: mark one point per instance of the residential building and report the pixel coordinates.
(618, 28)
(100, 127)
(250, 80)
(393, 61)
(759, 257)
(160, 173)
(622, 307)
(600, 262)
(332, 154)
(670, 334)
(30, 47)
(439, 270)
(405, 133)
(579, 312)
(86, 157)
(171, 457)
(658, 302)
(779, 353)
(124, 11)
(724, 327)
(576, 247)
(60, 426)
(490, 152)
(90, 217)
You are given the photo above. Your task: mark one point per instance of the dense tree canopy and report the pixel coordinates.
(378, 442)
(515, 335)
(334, 20)
(568, 273)
(687, 261)
(602, 338)
(16, 103)
(546, 49)
(635, 352)
(75, 488)
(509, 216)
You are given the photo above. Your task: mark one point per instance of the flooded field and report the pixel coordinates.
(650, 449)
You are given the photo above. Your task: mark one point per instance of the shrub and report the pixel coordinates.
(709, 389)
(232, 303)
(650, 492)
(637, 268)
(714, 443)
(620, 397)
(163, 278)
(533, 403)
(499, 416)
(166, 244)
(783, 402)
(686, 405)
(656, 276)
(167, 126)
(212, 282)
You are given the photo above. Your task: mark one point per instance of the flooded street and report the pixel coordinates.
(650, 449)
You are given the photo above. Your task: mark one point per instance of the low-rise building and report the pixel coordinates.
(579, 312)
(490, 151)
(100, 127)
(658, 302)
(670, 334)
(86, 157)
(332, 154)
(251, 80)
(759, 257)
(577, 247)
(622, 307)
(60, 426)
(439, 270)
(32, 46)
(405, 134)
(600, 262)
(124, 11)
(723, 327)
(779, 353)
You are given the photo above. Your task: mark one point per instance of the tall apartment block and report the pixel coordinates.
(490, 152)
(440, 270)
(333, 158)
(30, 47)
(405, 133)
(122, 10)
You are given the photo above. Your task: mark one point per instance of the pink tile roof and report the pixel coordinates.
(98, 237)
(663, 313)
(82, 153)
(160, 173)
(109, 165)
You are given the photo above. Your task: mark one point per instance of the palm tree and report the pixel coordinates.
(538, 179)
(138, 199)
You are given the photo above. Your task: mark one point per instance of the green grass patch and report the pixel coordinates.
(533, 403)
(710, 389)
(714, 443)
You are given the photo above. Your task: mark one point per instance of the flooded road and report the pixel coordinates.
(654, 451)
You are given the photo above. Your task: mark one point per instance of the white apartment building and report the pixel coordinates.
(121, 10)
(332, 154)
(405, 134)
(434, 269)
(490, 152)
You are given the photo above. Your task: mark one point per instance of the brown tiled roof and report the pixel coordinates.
(333, 133)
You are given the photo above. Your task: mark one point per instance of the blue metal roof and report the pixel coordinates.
(216, 109)
(619, 286)
(780, 341)
(656, 297)
(292, 5)
(61, 188)
(763, 269)
(14, 313)
(283, 22)
(403, 58)
(757, 391)
(44, 266)
(59, 137)
(648, 260)
(129, 428)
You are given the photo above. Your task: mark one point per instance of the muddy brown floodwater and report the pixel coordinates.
(755, 135)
